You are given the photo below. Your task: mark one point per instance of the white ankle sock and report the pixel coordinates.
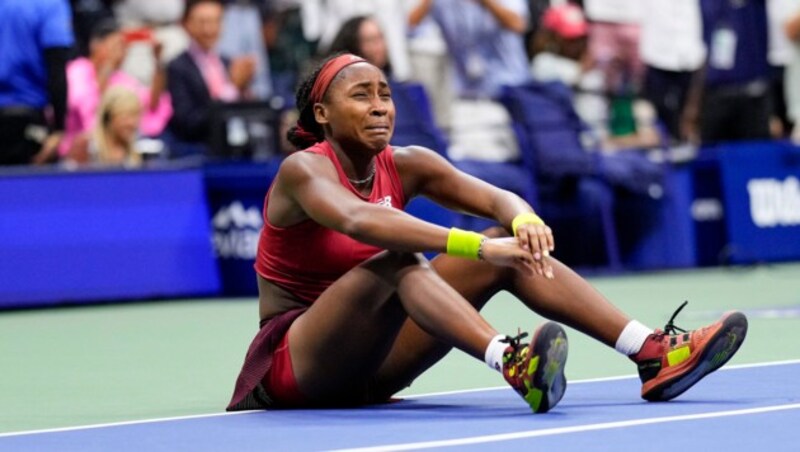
(494, 353)
(632, 338)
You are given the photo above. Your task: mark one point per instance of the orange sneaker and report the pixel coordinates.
(673, 360)
(536, 370)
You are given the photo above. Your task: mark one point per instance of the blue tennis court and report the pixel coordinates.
(746, 407)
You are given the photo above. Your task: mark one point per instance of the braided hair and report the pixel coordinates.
(310, 132)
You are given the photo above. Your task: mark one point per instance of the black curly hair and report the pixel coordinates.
(305, 107)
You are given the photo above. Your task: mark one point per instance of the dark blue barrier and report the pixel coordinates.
(91, 236)
(236, 196)
(707, 211)
(94, 236)
(669, 240)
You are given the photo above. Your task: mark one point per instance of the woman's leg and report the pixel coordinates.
(340, 342)
(568, 299)
(571, 300)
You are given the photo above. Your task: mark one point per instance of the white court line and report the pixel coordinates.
(573, 429)
(432, 394)
(122, 423)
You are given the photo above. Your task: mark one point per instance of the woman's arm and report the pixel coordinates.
(507, 18)
(427, 174)
(158, 85)
(418, 13)
(792, 27)
(307, 187)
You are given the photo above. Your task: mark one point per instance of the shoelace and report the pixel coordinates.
(670, 327)
(514, 341)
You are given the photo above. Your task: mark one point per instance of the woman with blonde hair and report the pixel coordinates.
(113, 139)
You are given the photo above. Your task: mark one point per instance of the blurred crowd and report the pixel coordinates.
(118, 82)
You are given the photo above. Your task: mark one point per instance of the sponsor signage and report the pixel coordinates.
(761, 187)
(236, 231)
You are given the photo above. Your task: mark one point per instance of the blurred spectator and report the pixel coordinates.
(86, 14)
(241, 37)
(322, 20)
(88, 79)
(792, 84)
(536, 9)
(430, 64)
(730, 98)
(159, 18)
(485, 43)
(560, 45)
(614, 51)
(614, 41)
(672, 49)
(288, 49)
(112, 141)
(779, 56)
(198, 77)
(562, 56)
(35, 44)
(362, 36)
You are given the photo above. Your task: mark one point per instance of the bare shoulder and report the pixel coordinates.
(411, 152)
(416, 158)
(303, 165)
(302, 176)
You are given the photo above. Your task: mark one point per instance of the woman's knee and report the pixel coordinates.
(393, 265)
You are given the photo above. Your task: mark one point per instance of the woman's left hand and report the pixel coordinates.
(538, 240)
(506, 252)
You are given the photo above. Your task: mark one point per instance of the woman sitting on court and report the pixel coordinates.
(351, 313)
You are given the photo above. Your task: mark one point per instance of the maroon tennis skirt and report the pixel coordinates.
(249, 393)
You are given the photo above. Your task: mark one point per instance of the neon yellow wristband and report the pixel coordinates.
(463, 243)
(523, 218)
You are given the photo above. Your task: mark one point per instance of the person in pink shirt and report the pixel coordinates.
(88, 78)
(199, 79)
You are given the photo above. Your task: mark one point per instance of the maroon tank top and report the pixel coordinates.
(307, 257)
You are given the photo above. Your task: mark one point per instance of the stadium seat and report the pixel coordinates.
(414, 122)
(571, 194)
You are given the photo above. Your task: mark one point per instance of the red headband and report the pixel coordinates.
(329, 72)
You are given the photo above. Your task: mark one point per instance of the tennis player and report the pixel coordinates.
(352, 313)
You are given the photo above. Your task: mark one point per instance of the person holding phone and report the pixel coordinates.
(89, 78)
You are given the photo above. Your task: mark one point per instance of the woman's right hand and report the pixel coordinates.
(506, 252)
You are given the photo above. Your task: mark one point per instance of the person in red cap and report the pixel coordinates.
(352, 313)
(567, 20)
(559, 46)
